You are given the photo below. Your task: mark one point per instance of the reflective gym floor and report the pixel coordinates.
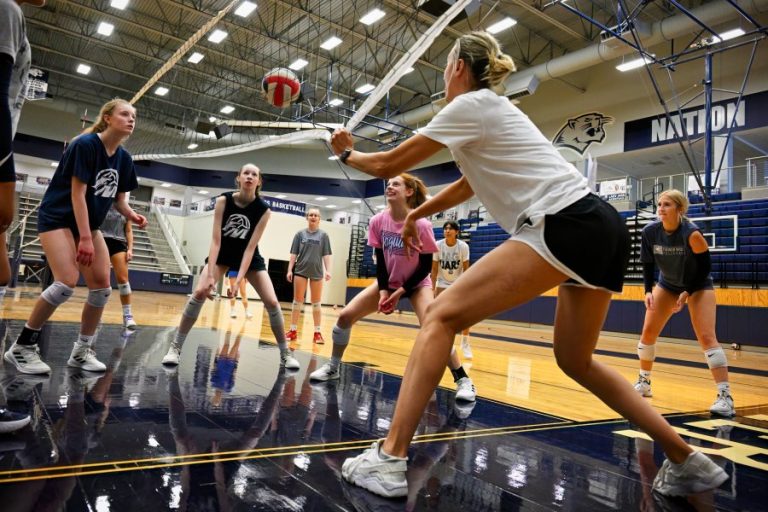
(228, 431)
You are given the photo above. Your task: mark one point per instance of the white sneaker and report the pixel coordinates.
(465, 390)
(129, 323)
(173, 355)
(325, 372)
(26, 359)
(465, 348)
(289, 362)
(723, 405)
(385, 477)
(248, 314)
(84, 357)
(643, 386)
(697, 474)
(232, 314)
(11, 421)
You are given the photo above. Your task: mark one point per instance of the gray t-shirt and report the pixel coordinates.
(13, 42)
(309, 248)
(672, 253)
(113, 225)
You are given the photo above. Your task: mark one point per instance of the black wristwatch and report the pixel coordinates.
(344, 155)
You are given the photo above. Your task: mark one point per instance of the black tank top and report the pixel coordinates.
(237, 226)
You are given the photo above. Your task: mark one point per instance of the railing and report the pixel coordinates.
(173, 241)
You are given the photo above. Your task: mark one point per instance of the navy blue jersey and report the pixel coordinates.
(237, 226)
(672, 253)
(86, 158)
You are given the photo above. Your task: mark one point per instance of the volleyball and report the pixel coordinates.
(281, 87)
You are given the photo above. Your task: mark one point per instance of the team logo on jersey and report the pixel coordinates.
(237, 226)
(106, 183)
(580, 132)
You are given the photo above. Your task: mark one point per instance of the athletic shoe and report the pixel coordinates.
(318, 338)
(385, 477)
(26, 359)
(232, 314)
(465, 390)
(84, 357)
(643, 386)
(12, 421)
(325, 372)
(723, 405)
(248, 314)
(129, 323)
(291, 335)
(697, 474)
(289, 362)
(173, 355)
(465, 348)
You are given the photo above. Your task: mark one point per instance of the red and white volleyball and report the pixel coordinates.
(281, 87)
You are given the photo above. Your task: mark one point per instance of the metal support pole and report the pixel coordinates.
(708, 132)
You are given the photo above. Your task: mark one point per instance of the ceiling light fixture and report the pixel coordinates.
(331, 43)
(501, 25)
(372, 17)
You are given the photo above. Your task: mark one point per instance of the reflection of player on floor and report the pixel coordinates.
(544, 203)
(448, 263)
(94, 173)
(396, 276)
(310, 261)
(679, 249)
(232, 276)
(239, 221)
(225, 366)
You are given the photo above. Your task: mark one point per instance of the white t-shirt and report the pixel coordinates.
(450, 261)
(513, 169)
(13, 42)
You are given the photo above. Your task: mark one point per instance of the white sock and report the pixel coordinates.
(646, 374)
(293, 327)
(86, 339)
(317, 328)
(724, 387)
(127, 310)
(2, 290)
(335, 361)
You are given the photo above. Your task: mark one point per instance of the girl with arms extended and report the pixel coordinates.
(397, 275)
(546, 206)
(239, 221)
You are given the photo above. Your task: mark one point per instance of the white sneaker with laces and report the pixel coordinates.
(84, 357)
(129, 323)
(697, 474)
(465, 390)
(173, 355)
(289, 362)
(232, 314)
(248, 314)
(325, 372)
(723, 405)
(26, 359)
(643, 386)
(465, 348)
(382, 476)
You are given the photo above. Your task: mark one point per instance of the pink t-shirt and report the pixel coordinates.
(384, 233)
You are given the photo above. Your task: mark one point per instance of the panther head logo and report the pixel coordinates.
(106, 183)
(580, 132)
(237, 226)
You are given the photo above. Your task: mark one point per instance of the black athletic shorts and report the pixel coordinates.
(115, 246)
(257, 263)
(591, 239)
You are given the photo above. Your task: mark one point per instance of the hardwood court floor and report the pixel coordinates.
(228, 431)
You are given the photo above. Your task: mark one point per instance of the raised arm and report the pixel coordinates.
(384, 164)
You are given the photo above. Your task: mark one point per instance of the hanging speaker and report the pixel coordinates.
(222, 130)
(204, 127)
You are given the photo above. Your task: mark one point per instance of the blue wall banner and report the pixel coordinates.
(752, 112)
(286, 206)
